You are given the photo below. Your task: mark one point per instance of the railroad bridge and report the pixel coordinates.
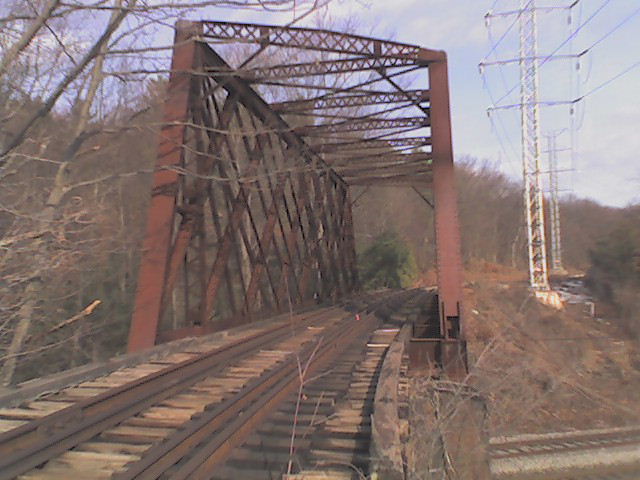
(265, 131)
(253, 354)
(251, 212)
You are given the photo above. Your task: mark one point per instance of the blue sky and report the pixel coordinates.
(606, 145)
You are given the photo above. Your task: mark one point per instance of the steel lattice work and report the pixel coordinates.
(530, 124)
(250, 211)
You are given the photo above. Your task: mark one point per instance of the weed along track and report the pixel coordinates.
(322, 429)
(216, 410)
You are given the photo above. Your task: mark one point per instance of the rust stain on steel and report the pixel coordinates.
(177, 253)
(449, 260)
(267, 235)
(260, 218)
(156, 244)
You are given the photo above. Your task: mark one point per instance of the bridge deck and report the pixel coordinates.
(150, 415)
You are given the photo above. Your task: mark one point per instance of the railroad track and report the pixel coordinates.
(606, 454)
(323, 430)
(566, 442)
(182, 416)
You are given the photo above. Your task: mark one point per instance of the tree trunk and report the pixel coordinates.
(25, 314)
(56, 195)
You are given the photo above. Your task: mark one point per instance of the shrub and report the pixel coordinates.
(387, 262)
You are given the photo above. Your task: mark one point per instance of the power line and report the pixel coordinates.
(495, 125)
(554, 204)
(506, 31)
(500, 69)
(610, 32)
(574, 83)
(576, 31)
(539, 9)
(544, 103)
(516, 60)
(611, 80)
(490, 15)
(567, 40)
(495, 128)
(553, 103)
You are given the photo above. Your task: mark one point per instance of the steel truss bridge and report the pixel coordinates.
(251, 217)
(265, 129)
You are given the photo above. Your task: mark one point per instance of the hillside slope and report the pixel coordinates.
(545, 370)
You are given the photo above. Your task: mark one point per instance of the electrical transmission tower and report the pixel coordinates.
(554, 207)
(530, 125)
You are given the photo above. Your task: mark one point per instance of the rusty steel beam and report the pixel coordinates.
(216, 140)
(349, 242)
(261, 204)
(320, 205)
(263, 243)
(344, 248)
(407, 180)
(291, 235)
(204, 196)
(365, 125)
(313, 221)
(359, 144)
(378, 158)
(382, 168)
(449, 258)
(156, 245)
(279, 202)
(333, 234)
(178, 252)
(297, 219)
(261, 109)
(313, 39)
(227, 242)
(343, 101)
(261, 253)
(358, 177)
(327, 67)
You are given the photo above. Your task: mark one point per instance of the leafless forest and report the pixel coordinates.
(81, 86)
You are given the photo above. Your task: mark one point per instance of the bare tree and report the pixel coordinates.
(79, 79)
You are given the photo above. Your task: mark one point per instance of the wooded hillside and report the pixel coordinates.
(79, 120)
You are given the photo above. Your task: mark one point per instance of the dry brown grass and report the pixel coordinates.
(545, 370)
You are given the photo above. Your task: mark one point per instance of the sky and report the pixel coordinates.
(603, 129)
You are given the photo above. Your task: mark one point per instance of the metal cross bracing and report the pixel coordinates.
(251, 210)
(530, 124)
(554, 205)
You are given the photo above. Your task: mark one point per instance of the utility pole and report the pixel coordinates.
(554, 207)
(530, 125)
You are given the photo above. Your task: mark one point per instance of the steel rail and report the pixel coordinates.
(569, 443)
(217, 431)
(29, 445)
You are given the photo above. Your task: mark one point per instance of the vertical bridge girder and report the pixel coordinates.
(251, 211)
